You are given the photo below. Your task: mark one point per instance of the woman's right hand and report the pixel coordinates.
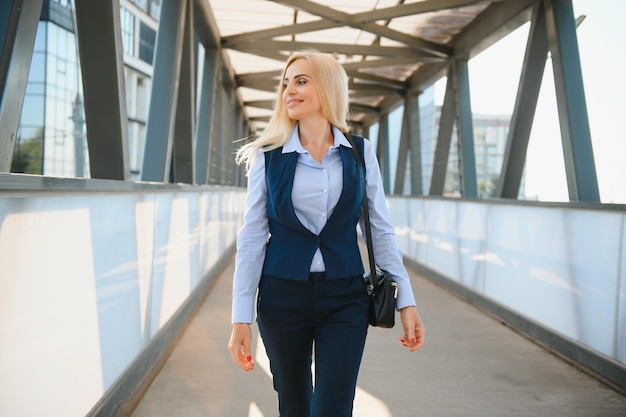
(239, 346)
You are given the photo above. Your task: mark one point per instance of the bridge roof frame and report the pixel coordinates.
(390, 48)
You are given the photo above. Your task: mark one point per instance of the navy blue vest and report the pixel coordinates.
(291, 246)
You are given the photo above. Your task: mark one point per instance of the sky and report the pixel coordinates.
(494, 76)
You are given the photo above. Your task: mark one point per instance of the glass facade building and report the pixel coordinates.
(51, 137)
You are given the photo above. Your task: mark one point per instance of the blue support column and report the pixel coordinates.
(183, 156)
(466, 132)
(382, 151)
(403, 150)
(164, 96)
(525, 106)
(580, 169)
(444, 138)
(409, 147)
(415, 144)
(206, 113)
(102, 67)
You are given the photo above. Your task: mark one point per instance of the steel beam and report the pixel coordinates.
(580, 169)
(238, 177)
(206, 113)
(409, 146)
(403, 150)
(525, 106)
(164, 96)
(466, 131)
(444, 137)
(415, 145)
(382, 151)
(183, 156)
(102, 67)
(18, 28)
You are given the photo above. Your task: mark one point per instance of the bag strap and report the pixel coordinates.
(366, 214)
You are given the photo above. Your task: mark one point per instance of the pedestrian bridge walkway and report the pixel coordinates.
(471, 365)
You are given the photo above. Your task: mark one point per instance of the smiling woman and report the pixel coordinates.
(298, 252)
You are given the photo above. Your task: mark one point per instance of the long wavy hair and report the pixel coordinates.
(331, 81)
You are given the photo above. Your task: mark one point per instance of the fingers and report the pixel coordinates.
(239, 347)
(419, 339)
(240, 358)
(414, 340)
(244, 361)
(414, 331)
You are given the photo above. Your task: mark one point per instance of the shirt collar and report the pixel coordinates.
(294, 145)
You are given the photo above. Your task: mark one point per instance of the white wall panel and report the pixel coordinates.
(531, 279)
(87, 279)
(442, 246)
(115, 263)
(418, 242)
(144, 220)
(175, 254)
(471, 243)
(400, 211)
(620, 343)
(48, 309)
(558, 266)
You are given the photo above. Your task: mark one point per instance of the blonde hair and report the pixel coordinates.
(331, 81)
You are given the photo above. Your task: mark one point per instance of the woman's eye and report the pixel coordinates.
(301, 81)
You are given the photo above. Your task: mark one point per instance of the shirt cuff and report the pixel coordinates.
(243, 309)
(405, 297)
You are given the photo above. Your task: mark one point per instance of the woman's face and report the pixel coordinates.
(300, 93)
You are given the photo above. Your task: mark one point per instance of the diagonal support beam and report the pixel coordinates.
(410, 147)
(183, 156)
(403, 151)
(18, 27)
(160, 128)
(580, 169)
(410, 9)
(102, 66)
(344, 19)
(370, 50)
(206, 113)
(382, 151)
(415, 146)
(444, 137)
(525, 105)
(466, 131)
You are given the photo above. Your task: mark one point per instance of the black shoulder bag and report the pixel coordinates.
(383, 290)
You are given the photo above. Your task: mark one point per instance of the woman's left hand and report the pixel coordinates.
(413, 327)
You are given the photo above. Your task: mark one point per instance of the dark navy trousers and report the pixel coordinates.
(324, 318)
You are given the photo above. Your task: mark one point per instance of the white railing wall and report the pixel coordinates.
(561, 266)
(89, 278)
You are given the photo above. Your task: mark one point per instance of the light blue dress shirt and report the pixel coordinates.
(315, 193)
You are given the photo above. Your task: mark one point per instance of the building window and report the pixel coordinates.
(127, 20)
(147, 38)
(64, 3)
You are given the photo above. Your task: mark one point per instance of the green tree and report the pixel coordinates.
(28, 155)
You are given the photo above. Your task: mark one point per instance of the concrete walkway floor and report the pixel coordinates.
(471, 365)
